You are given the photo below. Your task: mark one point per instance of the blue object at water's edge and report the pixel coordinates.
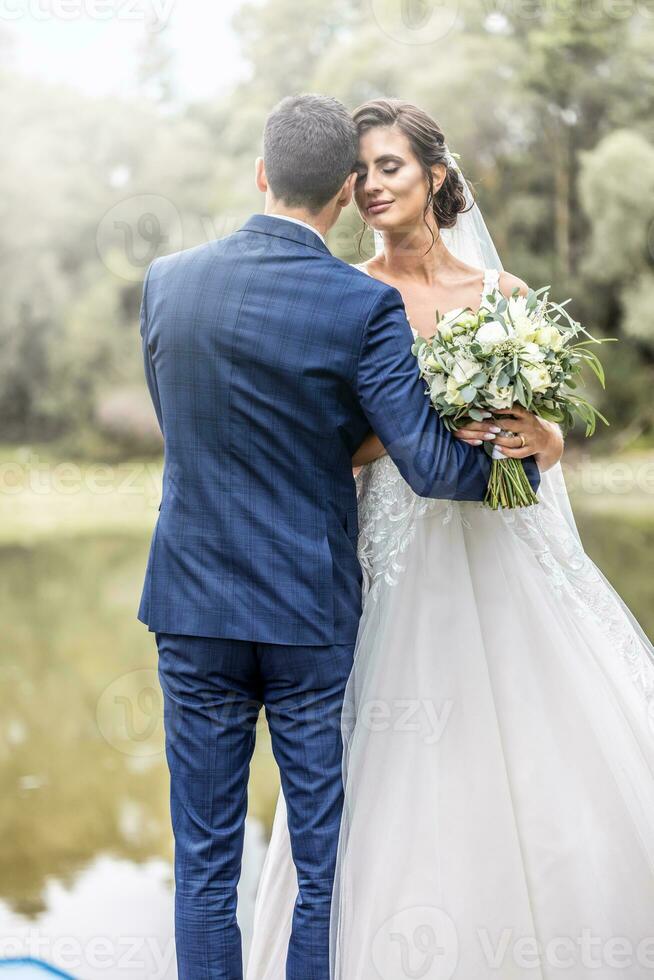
(30, 969)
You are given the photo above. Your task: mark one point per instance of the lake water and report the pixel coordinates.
(85, 866)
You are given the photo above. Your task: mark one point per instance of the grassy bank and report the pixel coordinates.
(42, 495)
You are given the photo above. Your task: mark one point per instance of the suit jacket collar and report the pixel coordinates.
(268, 224)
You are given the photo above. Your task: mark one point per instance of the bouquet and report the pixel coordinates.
(525, 349)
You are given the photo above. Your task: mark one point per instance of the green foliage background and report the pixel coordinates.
(547, 104)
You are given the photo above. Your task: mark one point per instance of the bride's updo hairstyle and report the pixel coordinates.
(428, 145)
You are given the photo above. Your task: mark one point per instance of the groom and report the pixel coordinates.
(268, 361)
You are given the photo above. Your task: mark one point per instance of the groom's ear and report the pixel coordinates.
(347, 191)
(260, 175)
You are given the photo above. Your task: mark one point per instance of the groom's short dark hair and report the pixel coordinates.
(310, 147)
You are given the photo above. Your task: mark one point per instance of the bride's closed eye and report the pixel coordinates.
(362, 174)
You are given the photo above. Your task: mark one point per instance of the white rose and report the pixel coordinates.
(465, 369)
(499, 397)
(453, 394)
(538, 377)
(533, 352)
(438, 384)
(452, 316)
(491, 334)
(525, 329)
(549, 337)
(468, 321)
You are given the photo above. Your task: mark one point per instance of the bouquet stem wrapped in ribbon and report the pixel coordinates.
(523, 350)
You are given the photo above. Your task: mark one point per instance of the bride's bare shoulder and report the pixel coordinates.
(508, 282)
(369, 266)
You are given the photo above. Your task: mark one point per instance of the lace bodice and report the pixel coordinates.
(389, 510)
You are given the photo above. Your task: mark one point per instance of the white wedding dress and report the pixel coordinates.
(499, 755)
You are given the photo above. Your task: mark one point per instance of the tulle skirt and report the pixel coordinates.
(499, 756)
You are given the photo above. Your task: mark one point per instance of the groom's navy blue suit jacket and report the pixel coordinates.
(268, 361)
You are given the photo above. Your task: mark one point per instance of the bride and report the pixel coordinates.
(499, 719)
